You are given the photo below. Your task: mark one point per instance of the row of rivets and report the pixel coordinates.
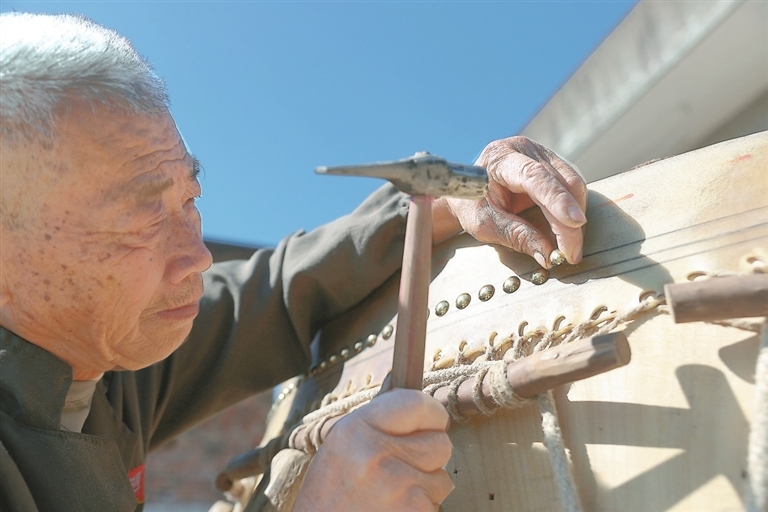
(346, 353)
(510, 285)
(284, 393)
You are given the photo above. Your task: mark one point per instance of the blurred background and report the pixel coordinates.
(266, 91)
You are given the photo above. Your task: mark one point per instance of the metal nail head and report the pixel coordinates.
(463, 300)
(556, 258)
(486, 292)
(540, 276)
(511, 284)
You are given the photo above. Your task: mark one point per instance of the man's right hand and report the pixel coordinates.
(388, 455)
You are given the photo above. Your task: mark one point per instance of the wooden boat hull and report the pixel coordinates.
(666, 432)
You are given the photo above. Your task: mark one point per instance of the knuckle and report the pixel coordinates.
(416, 499)
(575, 184)
(444, 448)
(521, 236)
(534, 172)
(446, 485)
(558, 195)
(411, 400)
(518, 141)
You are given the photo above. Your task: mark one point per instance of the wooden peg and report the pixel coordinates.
(718, 298)
(548, 369)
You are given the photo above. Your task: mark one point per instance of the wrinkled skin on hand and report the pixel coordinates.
(388, 455)
(523, 174)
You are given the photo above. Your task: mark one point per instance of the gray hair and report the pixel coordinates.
(46, 61)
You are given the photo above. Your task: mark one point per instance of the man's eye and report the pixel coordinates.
(144, 235)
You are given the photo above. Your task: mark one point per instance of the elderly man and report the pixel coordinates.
(117, 336)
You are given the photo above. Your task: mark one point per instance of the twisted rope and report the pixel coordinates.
(494, 366)
(553, 440)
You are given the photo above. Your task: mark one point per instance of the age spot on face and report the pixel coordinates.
(46, 281)
(47, 298)
(47, 236)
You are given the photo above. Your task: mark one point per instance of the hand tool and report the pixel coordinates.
(425, 177)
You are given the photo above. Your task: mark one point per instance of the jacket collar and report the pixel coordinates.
(33, 382)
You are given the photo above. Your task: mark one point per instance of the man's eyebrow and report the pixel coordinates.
(150, 189)
(196, 168)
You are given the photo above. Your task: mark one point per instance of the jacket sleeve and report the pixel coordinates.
(258, 316)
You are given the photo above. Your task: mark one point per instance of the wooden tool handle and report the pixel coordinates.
(718, 298)
(548, 369)
(410, 337)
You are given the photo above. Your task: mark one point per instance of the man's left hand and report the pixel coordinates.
(524, 174)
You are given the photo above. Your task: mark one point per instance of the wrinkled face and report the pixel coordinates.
(107, 274)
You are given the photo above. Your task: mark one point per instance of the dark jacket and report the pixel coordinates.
(256, 322)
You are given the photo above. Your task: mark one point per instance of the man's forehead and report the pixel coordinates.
(123, 156)
(150, 185)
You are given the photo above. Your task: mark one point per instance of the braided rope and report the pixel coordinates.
(477, 392)
(495, 369)
(553, 440)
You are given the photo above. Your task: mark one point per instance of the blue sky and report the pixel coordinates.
(264, 92)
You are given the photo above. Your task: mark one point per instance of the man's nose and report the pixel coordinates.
(189, 255)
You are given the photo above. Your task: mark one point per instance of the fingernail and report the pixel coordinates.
(575, 214)
(556, 258)
(540, 259)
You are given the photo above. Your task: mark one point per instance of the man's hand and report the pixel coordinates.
(522, 174)
(388, 455)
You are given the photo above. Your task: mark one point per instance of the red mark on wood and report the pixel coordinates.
(613, 201)
(740, 158)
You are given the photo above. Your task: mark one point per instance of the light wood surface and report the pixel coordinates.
(666, 432)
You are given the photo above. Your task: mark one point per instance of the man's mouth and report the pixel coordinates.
(182, 313)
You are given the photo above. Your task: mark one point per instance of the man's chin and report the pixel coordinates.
(171, 341)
